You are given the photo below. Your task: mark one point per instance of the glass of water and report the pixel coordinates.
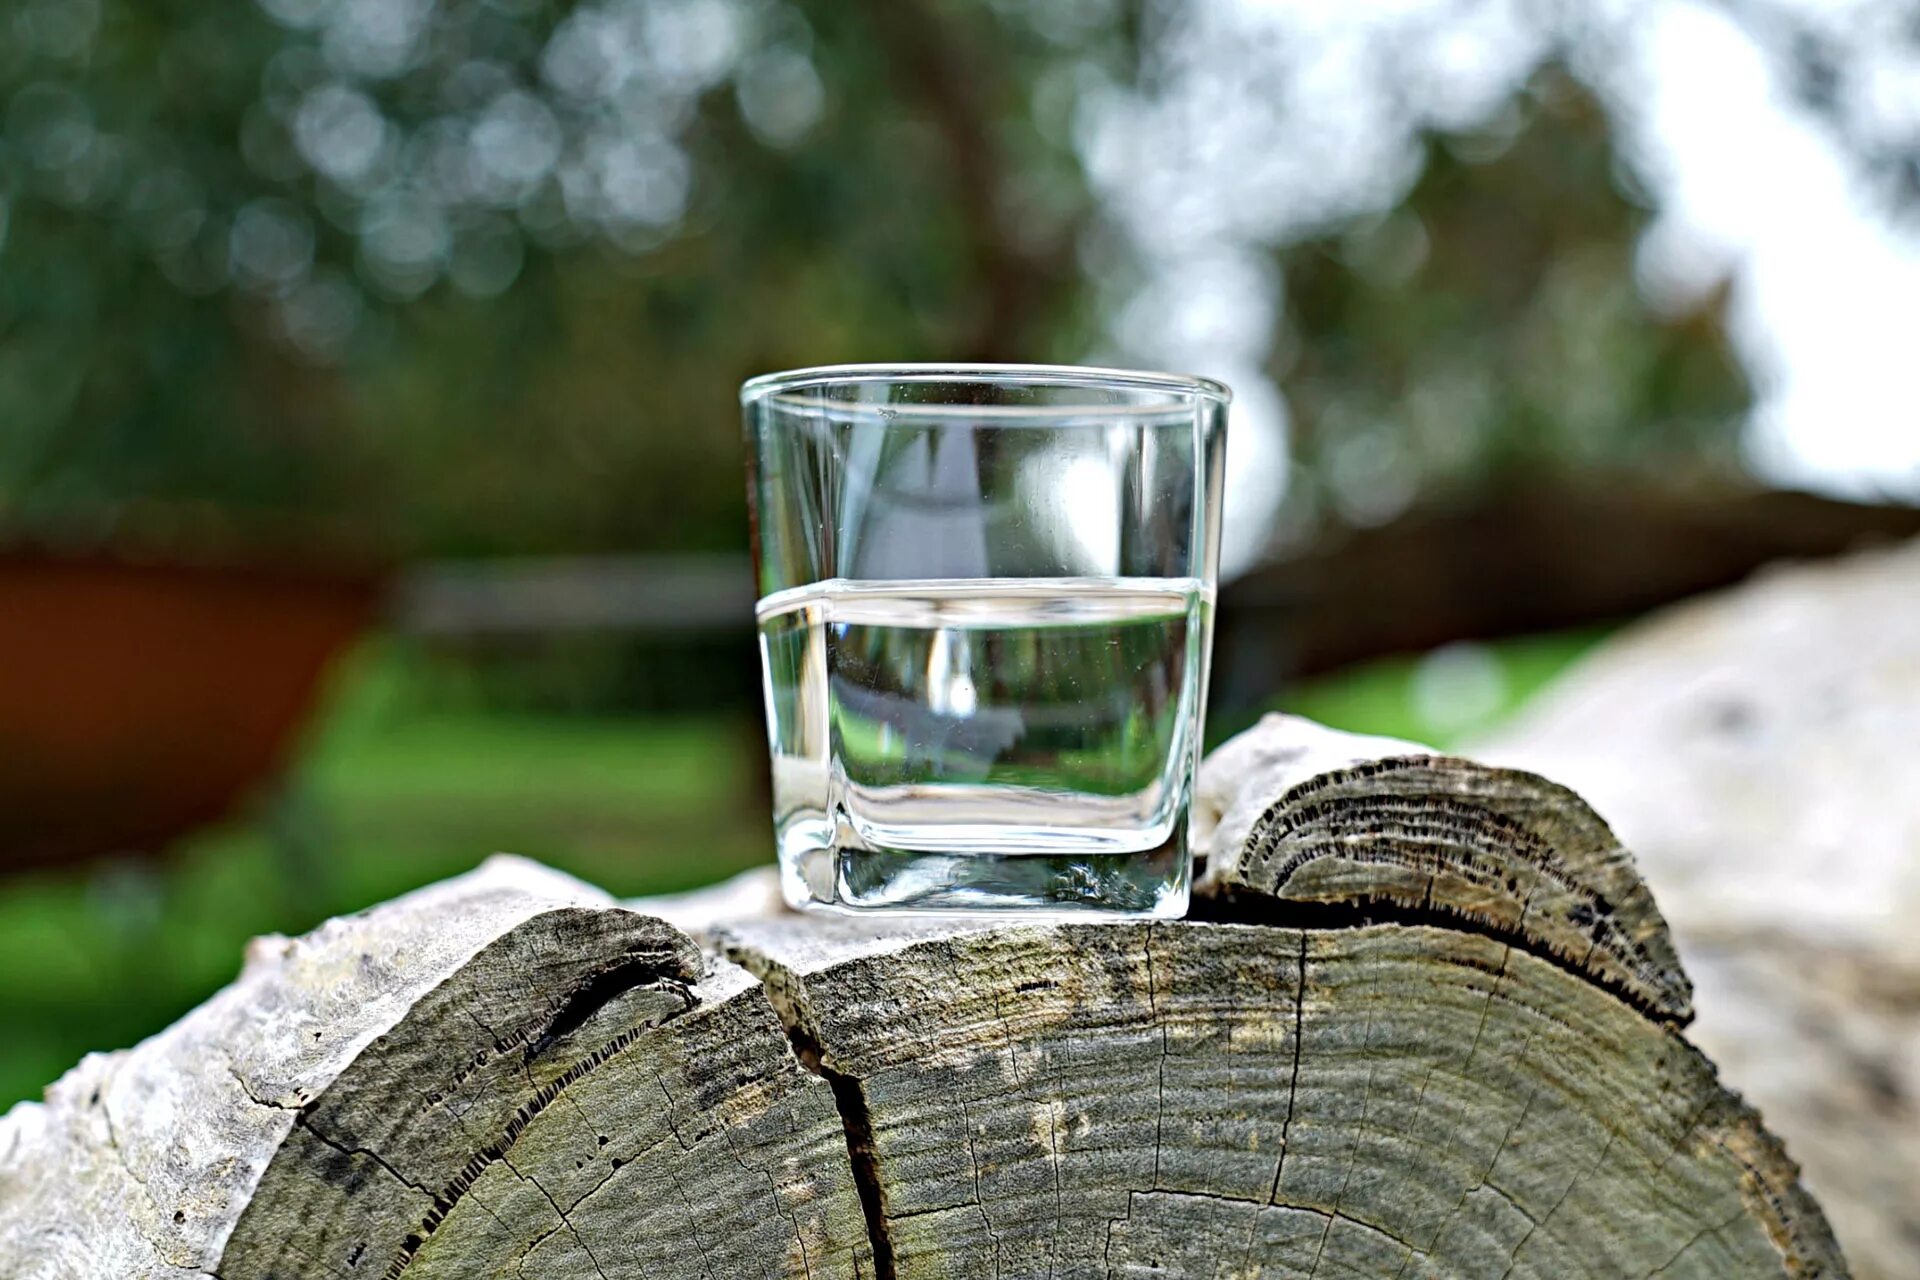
(985, 615)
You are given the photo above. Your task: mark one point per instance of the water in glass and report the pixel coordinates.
(1044, 724)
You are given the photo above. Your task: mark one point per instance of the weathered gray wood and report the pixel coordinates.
(1760, 752)
(1395, 1059)
(503, 1075)
(1290, 812)
(1199, 1100)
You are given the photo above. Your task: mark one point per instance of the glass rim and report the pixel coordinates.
(1047, 375)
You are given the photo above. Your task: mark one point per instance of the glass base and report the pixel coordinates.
(1146, 884)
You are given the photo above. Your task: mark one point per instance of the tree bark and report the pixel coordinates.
(1425, 1022)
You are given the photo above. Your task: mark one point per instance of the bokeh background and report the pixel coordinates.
(370, 477)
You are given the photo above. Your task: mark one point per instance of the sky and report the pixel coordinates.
(1827, 288)
(1268, 119)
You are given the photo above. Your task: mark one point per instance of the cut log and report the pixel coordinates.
(504, 1075)
(1758, 750)
(1371, 822)
(1425, 1023)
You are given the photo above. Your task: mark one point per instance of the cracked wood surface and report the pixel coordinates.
(1190, 1099)
(1295, 813)
(1394, 1046)
(504, 1075)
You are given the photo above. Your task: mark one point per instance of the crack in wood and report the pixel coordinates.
(1258, 1208)
(1293, 1083)
(1390, 828)
(450, 1195)
(856, 1123)
(1535, 1224)
(852, 1105)
(560, 1213)
(1695, 1239)
(1160, 1068)
(598, 991)
(1293, 1090)
(304, 1123)
(1232, 906)
(1353, 1147)
(104, 1100)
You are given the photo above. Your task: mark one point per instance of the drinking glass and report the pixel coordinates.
(986, 606)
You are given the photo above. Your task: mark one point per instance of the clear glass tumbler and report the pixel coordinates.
(985, 618)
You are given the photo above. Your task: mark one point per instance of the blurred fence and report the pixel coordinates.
(1542, 559)
(543, 596)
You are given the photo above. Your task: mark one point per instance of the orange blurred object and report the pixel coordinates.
(141, 700)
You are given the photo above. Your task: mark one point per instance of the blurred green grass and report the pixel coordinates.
(390, 791)
(403, 782)
(1444, 698)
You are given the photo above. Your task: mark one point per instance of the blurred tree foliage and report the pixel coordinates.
(468, 276)
(1489, 331)
(482, 275)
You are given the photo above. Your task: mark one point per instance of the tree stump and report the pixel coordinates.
(1425, 1022)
